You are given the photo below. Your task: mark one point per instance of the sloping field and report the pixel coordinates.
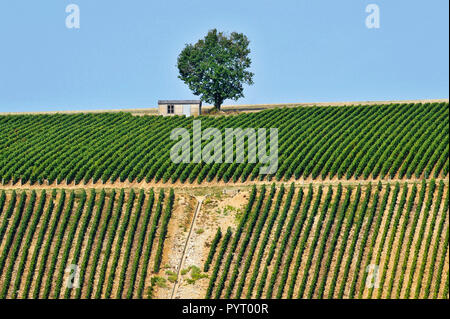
(366, 241)
(354, 142)
(335, 242)
(116, 238)
(91, 206)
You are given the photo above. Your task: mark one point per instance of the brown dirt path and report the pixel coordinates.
(183, 256)
(178, 184)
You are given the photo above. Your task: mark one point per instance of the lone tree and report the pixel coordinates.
(216, 67)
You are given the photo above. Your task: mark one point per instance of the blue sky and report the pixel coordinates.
(124, 54)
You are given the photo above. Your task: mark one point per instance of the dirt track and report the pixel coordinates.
(177, 283)
(179, 185)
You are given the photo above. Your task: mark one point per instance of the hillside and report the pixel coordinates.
(260, 242)
(116, 238)
(359, 190)
(318, 242)
(355, 142)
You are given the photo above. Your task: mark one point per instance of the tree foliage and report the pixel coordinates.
(216, 67)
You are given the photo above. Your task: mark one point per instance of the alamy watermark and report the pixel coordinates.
(73, 17)
(373, 276)
(373, 19)
(73, 280)
(262, 146)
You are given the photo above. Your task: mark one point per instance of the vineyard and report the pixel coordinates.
(327, 242)
(355, 142)
(115, 237)
(93, 207)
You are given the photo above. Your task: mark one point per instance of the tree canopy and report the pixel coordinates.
(216, 67)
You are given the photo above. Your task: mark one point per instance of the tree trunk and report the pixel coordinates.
(217, 105)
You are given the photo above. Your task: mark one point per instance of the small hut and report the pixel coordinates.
(180, 107)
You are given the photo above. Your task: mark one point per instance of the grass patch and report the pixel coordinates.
(172, 276)
(159, 282)
(196, 274)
